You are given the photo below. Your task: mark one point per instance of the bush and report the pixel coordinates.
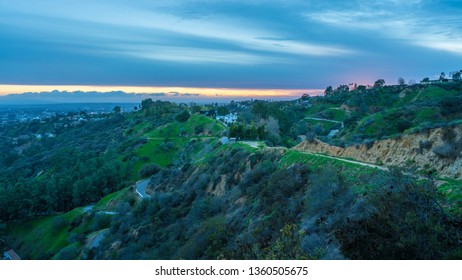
(199, 129)
(149, 170)
(310, 136)
(77, 237)
(407, 222)
(449, 135)
(69, 253)
(101, 221)
(369, 143)
(166, 146)
(447, 150)
(183, 116)
(425, 145)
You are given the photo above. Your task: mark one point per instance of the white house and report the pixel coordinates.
(228, 119)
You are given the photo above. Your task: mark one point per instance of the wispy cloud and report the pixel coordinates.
(171, 38)
(228, 43)
(411, 26)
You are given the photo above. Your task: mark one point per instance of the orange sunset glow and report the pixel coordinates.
(204, 92)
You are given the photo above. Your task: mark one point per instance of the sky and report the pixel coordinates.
(273, 47)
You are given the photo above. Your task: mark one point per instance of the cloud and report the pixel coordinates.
(175, 93)
(410, 25)
(123, 28)
(229, 43)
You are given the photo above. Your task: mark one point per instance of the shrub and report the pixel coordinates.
(407, 222)
(149, 170)
(449, 150)
(101, 221)
(166, 146)
(183, 116)
(425, 145)
(199, 129)
(449, 135)
(310, 136)
(369, 143)
(77, 237)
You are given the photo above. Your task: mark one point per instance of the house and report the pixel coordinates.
(11, 255)
(228, 119)
(439, 81)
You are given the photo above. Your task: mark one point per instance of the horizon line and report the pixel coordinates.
(207, 92)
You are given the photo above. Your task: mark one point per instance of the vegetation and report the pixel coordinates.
(72, 196)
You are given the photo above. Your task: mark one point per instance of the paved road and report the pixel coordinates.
(97, 239)
(141, 188)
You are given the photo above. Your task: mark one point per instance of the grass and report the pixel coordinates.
(106, 203)
(326, 125)
(179, 134)
(190, 128)
(40, 237)
(353, 173)
(386, 122)
(45, 237)
(426, 114)
(452, 191)
(435, 92)
(331, 114)
(317, 107)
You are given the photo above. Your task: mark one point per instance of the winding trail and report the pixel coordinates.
(252, 144)
(345, 160)
(325, 120)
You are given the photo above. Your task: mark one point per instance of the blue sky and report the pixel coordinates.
(227, 44)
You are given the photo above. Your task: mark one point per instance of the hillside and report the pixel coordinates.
(289, 188)
(432, 151)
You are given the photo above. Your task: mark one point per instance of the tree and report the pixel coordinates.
(272, 126)
(361, 88)
(196, 108)
(146, 104)
(379, 83)
(117, 109)
(343, 88)
(442, 76)
(260, 109)
(401, 81)
(149, 170)
(456, 76)
(183, 116)
(328, 90)
(425, 80)
(222, 111)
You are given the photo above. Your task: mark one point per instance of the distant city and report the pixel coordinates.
(42, 113)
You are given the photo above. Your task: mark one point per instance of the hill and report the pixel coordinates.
(316, 178)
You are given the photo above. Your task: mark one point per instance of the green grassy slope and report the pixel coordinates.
(44, 238)
(164, 142)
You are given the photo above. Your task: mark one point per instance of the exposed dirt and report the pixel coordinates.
(400, 151)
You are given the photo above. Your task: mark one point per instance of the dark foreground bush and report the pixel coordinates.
(149, 170)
